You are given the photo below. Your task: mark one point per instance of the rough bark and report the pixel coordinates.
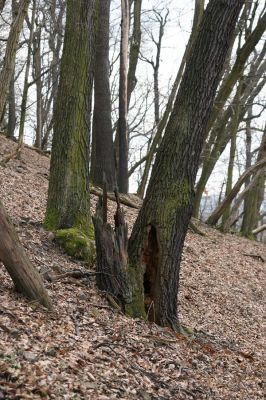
(157, 239)
(25, 277)
(68, 195)
(111, 245)
(10, 53)
(103, 155)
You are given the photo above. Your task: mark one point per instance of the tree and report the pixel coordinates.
(103, 155)
(68, 203)
(156, 243)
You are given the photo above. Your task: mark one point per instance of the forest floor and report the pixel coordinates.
(84, 349)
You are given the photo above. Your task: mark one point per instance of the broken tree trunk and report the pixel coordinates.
(111, 247)
(25, 277)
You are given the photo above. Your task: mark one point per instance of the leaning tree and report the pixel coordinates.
(152, 269)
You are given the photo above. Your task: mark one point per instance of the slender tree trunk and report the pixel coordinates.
(23, 108)
(25, 277)
(134, 49)
(37, 65)
(103, 155)
(11, 109)
(122, 120)
(10, 53)
(231, 163)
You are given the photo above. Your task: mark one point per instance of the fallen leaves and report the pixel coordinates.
(85, 349)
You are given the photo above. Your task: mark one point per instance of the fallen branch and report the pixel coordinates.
(123, 198)
(259, 229)
(256, 256)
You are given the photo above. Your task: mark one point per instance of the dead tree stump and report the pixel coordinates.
(111, 248)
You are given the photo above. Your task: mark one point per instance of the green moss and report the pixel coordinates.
(77, 244)
(135, 308)
(51, 219)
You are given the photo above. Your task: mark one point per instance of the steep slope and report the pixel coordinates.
(86, 350)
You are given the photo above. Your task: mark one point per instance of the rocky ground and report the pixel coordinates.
(84, 349)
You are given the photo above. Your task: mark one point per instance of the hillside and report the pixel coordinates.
(84, 349)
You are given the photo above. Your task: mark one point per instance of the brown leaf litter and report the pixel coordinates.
(84, 349)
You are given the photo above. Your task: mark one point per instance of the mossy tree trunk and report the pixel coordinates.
(103, 155)
(158, 235)
(25, 277)
(68, 196)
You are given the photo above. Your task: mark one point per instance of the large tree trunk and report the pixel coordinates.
(68, 196)
(10, 54)
(103, 156)
(25, 277)
(156, 243)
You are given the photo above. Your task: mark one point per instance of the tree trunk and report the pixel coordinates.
(103, 155)
(25, 277)
(11, 126)
(68, 195)
(37, 65)
(10, 53)
(156, 243)
(122, 120)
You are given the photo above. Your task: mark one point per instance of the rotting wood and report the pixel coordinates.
(111, 248)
